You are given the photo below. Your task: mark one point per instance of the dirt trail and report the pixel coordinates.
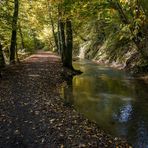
(32, 114)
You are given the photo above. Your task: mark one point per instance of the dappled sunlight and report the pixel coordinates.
(43, 56)
(34, 75)
(83, 48)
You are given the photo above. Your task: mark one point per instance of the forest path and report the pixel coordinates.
(33, 114)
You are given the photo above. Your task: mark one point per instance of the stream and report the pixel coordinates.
(117, 102)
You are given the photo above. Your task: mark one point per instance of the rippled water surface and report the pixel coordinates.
(116, 101)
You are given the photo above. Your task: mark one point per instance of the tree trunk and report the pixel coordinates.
(2, 61)
(16, 54)
(35, 41)
(62, 40)
(65, 38)
(52, 26)
(21, 35)
(14, 32)
(69, 44)
(53, 32)
(122, 15)
(66, 44)
(59, 38)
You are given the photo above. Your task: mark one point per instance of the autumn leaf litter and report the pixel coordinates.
(34, 115)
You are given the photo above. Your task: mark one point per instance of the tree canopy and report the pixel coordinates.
(113, 23)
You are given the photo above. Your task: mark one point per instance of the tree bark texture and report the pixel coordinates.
(69, 44)
(21, 36)
(62, 40)
(66, 42)
(59, 39)
(52, 26)
(2, 61)
(14, 31)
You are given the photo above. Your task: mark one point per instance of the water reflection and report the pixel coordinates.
(118, 103)
(125, 113)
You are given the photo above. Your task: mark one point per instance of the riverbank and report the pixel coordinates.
(34, 115)
(136, 72)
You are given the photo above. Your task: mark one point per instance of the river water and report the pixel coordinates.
(117, 102)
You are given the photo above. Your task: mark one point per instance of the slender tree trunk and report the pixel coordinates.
(52, 26)
(121, 13)
(34, 38)
(16, 54)
(59, 30)
(35, 43)
(59, 38)
(69, 44)
(21, 35)
(14, 32)
(54, 34)
(2, 61)
(62, 41)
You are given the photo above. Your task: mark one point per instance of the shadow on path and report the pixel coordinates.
(32, 113)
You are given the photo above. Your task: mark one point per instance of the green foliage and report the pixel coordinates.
(101, 22)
